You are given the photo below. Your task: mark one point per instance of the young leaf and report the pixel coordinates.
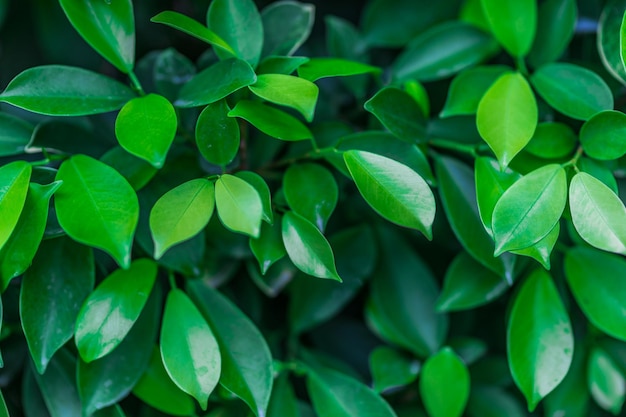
(552, 140)
(444, 384)
(286, 26)
(268, 247)
(555, 29)
(602, 136)
(391, 369)
(191, 355)
(572, 90)
(59, 90)
(146, 126)
(609, 39)
(316, 68)
(271, 121)
(96, 206)
(108, 27)
(507, 116)
(239, 205)
(15, 134)
(307, 247)
(181, 213)
(539, 338)
(246, 360)
(399, 113)
(605, 381)
(393, 190)
(263, 189)
(217, 135)
(14, 177)
(289, 91)
(529, 209)
(513, 23)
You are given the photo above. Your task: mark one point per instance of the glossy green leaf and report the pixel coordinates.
(263, 189)
(571, 397)
(552, 140)
(539, 338)
(575, 91)
(268, 247)
(312, 192)
(192, 27)
(283, 401)
(190, 352)
(467, 284)
(606, 384)
(609, 39)
(53, 290)
(601, 296)
(216, 82)
(109, 27)
(58, 386)
(96, 206)
(598, 214)
(391, 369)
(530, 208)
(444, 384)
(239, 205)
(181, 213)
(334, 394)
(507, 116)
(600, 170)
(289, 91)
(239, 23)
(399, 113)
(491, 401)
(513, 23)
(393, 190)
(217, 135)
(281, 64)
(286, 26)
(110, 311)
(469, 87)
(443, 51)
(18, 252)
(602, 136)
(14, 177)
(58, 90)
(317, 68)
(555, 28)
(271, 121)
(138, 172)
(15, 134)
(542, 250)
(246, 360)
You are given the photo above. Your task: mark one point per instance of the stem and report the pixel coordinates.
(454, 146)
(136, 85)
(314, 144)
(574, 161)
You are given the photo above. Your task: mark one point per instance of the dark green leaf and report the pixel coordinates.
(4, 412)
(268, 247)
(217, 135)
(317, 68)
(137, 172)
(609, 39)
(444, 384)
(513, 23)
(283, 401)
(490, 401)
(391, 369)
(286, 25)
(419, 94)
(277, 276)
(171, 71)
(263, 189)
(289, 91)
(14, 177)
(602, 136)
(239, 205)
(571, 397)
(312, 192)
(552, 140)
(606, 384)
(555, 29)
(58, 386)
(271, 121)
(281, 64)
(65, 136)
(399, 113)
(15, 134)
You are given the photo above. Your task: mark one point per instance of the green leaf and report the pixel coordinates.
(575, 91)
(552, 140)
(281, 64)
(600, 170)
(571, 397)
(312, 192)
(15, 134)
(246, 360)
(442, 51)
(216, 82)
(271, 121)
(192, 27)
(393, 190)
(190, 352)
(60, 134)
(602, 136)
(146, 126)
(600, 296)
(96, 206)
(18, 252)
(4, 412)
(58, 386)
(469, 87)
(263, 189)
(609, 39)
(539, 338)
(542, 250)
(283, 401)
(606, 383)
(391, 369)
(529, 209)
(14, 177)
(507, 116)
(217, 135)
(598, 214)
(467, 284)
(268, 247)
(334, 394)
(419, 94)
(286, 26)
(170, 72)
(239, 23)
(239, 205)
(289, 91)
(59, 90)
(513, 23)
(181, 213)
(110, 311)
(399, 113)
(555, 28)
(444, 384)
(491, 401)
(317, 68)
(137, 172)
(109, 27)
(53, 289)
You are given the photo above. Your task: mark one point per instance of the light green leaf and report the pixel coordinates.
(317, 68)
(109, 27)
(271, 121)
(181, 213)
(605, 381)
(59, 90)
(507, 116)
(555, 29)
(217, 135)
(399, 113)
(603, 135)
(239, 205)
(96, 206)
(307, 247)
(393, 190)
(600, 170)
(138, 172)
(552, 140)
(444, 384)
(14, 177)
(609, 39)
(190, 352)
(513, 23)
(289, 91)
(286, 26)
(542, 250)
(263, 189)
(15, 134)
(268, 247)
(540, 343)
(575, 91)
(416, 90)
(391, 369)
